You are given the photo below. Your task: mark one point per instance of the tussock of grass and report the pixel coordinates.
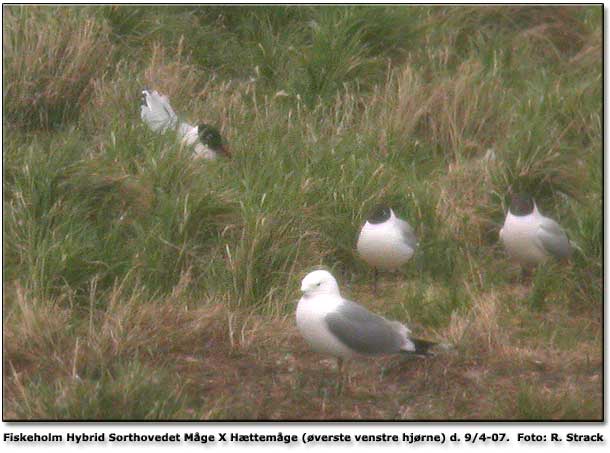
(142, 284)
(482, 331)
(114, 352)
(52, 56)
(467, 201)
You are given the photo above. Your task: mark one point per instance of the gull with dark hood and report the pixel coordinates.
(204, 139)
(386, 241)
(531, 238)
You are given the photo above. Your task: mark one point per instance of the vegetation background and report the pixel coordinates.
(140, 284)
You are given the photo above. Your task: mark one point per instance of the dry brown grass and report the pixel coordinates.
(158, 333)
(548, 26)
(50, 69)
(465, 113)
(403, 101)
(111, 191)
(167, 71)
(461, 115)
(552, 32)
(231, 364)
(479, 332)
(195, 94)
(214, 337)
(39, 331)
(465, 200)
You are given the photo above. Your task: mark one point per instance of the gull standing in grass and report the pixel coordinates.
(531, 238)
(341, 328)
(158, 114)
(386, 242)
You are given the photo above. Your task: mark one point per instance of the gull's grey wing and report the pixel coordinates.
(408, 234)
(363, 331)
(156, 111)
(553, 239)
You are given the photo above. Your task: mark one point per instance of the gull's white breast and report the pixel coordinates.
(312, 325)
(383, 245)
(519, 235)
(190, 137)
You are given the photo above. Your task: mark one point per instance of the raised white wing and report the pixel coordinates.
(156, 112)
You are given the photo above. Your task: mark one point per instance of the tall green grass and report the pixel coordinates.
(346, 134)
(49, 69)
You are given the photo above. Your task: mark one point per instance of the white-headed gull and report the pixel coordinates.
(338, 327)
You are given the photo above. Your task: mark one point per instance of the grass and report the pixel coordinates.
(140, 284)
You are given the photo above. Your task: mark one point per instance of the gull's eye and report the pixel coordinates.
(318, 284)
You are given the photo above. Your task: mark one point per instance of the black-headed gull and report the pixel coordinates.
(158, 114)
(531, 238)
(385, 242)
(338, 327)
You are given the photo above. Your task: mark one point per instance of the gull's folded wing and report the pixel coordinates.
(553, 239)
(363, 331)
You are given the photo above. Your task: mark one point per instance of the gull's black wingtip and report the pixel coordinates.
(422, 347)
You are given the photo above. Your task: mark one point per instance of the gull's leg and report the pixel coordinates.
(348, 378)
(527, 274)
(375, 272)
(340, 378)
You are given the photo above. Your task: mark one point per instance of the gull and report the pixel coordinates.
(385, 241)
(338, 327)
(531, 238)
(158, 114)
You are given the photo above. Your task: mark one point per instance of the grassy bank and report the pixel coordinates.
(139, 283)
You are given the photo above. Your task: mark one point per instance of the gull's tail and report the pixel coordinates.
(156, 111)
(575, 246)
(415, 346)
(422, 347)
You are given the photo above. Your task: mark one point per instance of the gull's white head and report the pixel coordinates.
(319, 282)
